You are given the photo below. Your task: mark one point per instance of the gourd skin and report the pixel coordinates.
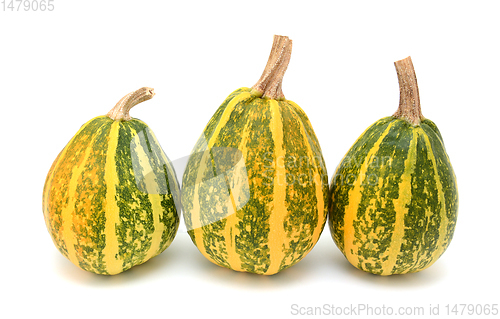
(265, 207)
(109, 197)
(393, 199)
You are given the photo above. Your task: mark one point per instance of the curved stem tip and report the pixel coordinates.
(121, 110)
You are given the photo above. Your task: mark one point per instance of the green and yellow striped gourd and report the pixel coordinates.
(255, 189)
(393, 199)
(109, 199)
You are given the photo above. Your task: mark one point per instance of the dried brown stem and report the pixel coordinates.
(409, 99)
(270, 82)
(121, 110)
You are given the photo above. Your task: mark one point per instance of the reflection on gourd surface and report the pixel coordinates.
(152, 167)
(222, 176)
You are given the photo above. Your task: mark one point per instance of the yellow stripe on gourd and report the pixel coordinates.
(173, 183)
(447, 159)
(226, 116)
(155, 247)
(173, 186)
(335, 174)
(317, 180)
(231, 231)
(46, 197)
(343, 158)
(279, 212)
(110, 251)
(401, 208)
(46, 194)
(444, 219)
(68, 212)
(153, 190)
(195, 212)
(354, 196)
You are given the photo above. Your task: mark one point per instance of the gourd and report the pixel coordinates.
(393, 198)
(109, 199)
(255, 188)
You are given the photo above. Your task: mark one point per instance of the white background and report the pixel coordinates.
(60, 69)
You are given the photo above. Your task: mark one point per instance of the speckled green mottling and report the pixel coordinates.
(214, 190)
(376, 215)
(318, 159)
(136, 225)
(197, 159)
(213, 220)
(62, 173)
(212, 124)
(89, 230)
(431, 129)
(301, 199)
(251, 243)
(422, 220)
(446, 178)
(343, 179)
(165, 179)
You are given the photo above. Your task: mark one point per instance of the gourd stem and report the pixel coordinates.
(121, 110)
(409, 99)
(269, 84)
